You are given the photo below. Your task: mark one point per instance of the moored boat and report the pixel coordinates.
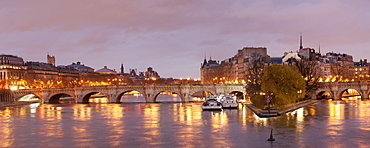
(229, 101)
(212, 103)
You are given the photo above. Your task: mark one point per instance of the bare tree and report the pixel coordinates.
(310, 72)
(336, 71)
(255, 73)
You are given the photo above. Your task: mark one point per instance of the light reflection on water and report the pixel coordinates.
(325, 124)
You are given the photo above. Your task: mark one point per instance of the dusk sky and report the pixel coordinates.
(174, 36)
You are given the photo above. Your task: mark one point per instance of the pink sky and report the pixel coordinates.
(173, 36)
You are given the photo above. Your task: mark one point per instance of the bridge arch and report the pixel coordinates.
(325, 92)
(239, 94)
(192, 92)
(324, 95)
(54, 99)
(199, 95)
(120, 95)
(351, 94)
(87, 96)
(157, 93)
(29, 97)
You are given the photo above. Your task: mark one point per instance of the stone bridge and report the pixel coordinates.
(115, 92)
(336, 89)
(150, 92)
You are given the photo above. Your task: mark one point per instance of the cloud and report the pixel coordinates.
(164, 32)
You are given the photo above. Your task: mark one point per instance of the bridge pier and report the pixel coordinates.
(185, 97)
(314, 95)
(334, 90)
(149, 98)
(45, 97)
(364, 91)
(79, 98)
(336, 95)
(112, 94)
(112, 98)
(78, 91)
(365, 95)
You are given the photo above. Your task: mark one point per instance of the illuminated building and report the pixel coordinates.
(234, 69)
(362, 70)
(150, 73)
(17, 74)
(331, 66)
(81, 67)
(40, 70)
(106, 70)
(12, 71)
(337, 66)
(210, 70)
(67, 71)
(290, 57)
(51, 60)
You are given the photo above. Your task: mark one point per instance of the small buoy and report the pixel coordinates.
(271, 137)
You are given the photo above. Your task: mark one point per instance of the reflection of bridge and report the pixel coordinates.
(115, 92)
(336, 89)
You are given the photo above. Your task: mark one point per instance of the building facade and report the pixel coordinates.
(235, 69)
(337, 67)
(362, 70)
(331, 67)
(12, 71)
(17, 74)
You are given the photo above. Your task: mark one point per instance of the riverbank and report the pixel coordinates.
(12, 104)
(275, 112)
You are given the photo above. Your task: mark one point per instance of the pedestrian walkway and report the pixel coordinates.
(275, 112)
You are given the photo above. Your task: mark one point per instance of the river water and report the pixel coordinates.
(171, 124)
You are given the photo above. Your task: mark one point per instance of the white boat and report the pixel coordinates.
(212, 103)
(229, 101)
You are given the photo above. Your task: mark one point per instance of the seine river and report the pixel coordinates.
(171, 124)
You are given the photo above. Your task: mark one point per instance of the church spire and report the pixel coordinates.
(300, 42)
(122, 69)
(205, 60)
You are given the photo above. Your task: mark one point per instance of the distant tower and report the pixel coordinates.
(51, 60)
(300, 42)
(204, 62)
(122, 69)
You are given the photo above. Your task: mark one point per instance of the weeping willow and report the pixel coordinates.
(284, 84)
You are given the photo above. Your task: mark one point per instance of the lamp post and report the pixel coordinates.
(268, 100)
